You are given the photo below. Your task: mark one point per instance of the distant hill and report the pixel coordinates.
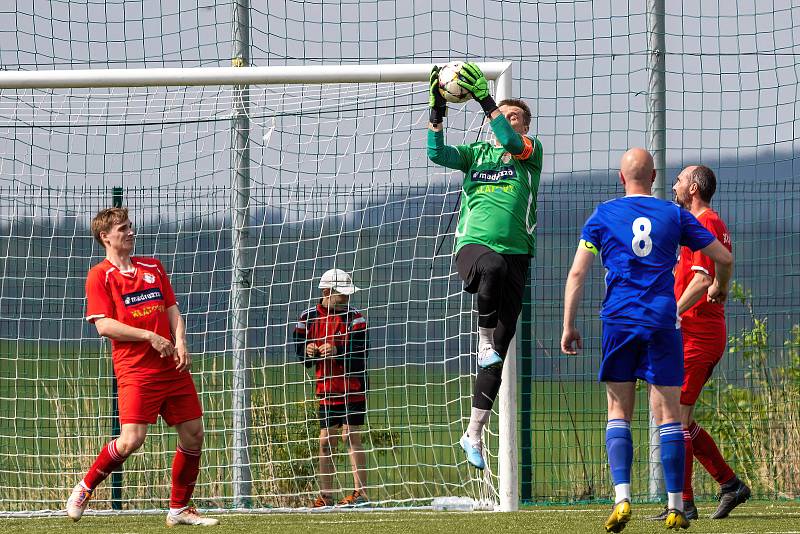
(396, 239)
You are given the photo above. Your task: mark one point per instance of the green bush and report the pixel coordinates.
(285, 449)
(758, 422)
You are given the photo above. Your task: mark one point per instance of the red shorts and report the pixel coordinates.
(177, 402)
(699, 360)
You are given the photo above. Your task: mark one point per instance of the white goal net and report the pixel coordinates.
(337, 176)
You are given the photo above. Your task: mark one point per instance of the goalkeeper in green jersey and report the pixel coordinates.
(495, 234)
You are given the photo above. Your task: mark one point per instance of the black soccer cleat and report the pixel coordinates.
(728, 500)
(660, 517)
(689, 510)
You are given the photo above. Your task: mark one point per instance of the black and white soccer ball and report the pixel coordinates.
(448, 84)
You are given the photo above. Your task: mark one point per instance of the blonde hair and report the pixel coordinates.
(105, 220)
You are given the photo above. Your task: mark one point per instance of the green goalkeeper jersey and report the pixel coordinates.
(498, 206)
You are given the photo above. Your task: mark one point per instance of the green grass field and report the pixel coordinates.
(416, 415)
(755, 517)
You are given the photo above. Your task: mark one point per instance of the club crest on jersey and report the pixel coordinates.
(494, 175)
(132, 299)
(506, 157)
(149, 278)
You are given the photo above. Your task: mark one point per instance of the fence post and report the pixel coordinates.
(116, 476)
(657, 141)
(241, 275)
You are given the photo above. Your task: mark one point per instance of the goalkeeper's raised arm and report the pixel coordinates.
(495, 234)
(510, 121)
(438, 152)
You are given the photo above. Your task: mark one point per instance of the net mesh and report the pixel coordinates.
(331, 169)
(731, 104)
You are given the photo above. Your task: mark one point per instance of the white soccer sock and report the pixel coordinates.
(83, 483)
(477, 420)
(176, 511)
(675, 500)
(622, 491)
(485, 336)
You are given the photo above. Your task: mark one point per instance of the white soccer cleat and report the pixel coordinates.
(488, 357)
(190, 516)
(76, 504)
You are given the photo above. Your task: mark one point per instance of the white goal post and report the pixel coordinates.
(241, 77)
(500, 72)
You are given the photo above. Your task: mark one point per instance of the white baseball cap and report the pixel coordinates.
(338, 280)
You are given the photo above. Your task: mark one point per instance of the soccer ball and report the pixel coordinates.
(448, 84)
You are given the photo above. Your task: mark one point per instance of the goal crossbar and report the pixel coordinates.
(200, 76)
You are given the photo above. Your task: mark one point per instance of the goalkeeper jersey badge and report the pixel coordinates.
(506, 157)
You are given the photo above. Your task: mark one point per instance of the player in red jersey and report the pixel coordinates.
(704, 338)
(332, 337)
(130, 301)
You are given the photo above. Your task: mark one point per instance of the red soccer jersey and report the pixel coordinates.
(704, 318)
(140, 299)
(341, 379)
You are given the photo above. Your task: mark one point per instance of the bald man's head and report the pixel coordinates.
(637, 166)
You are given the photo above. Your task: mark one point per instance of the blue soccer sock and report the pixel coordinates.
(673, 455)
(619, 446)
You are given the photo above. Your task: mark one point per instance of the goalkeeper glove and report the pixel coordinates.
(436, 101)
(472, 79)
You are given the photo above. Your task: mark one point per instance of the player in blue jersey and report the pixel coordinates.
(638, 237)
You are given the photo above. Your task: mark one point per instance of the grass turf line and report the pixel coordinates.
(755, 517)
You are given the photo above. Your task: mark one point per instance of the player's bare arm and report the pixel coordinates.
(697, 289)
(571, 340)
(113, 329)
(723, 266)
(183, 360)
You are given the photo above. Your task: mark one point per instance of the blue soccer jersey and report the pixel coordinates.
(638, 237)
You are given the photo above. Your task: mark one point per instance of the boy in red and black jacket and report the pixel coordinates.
(332, 337)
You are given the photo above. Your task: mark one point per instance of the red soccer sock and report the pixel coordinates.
(707, 453)
(107, 461)
(185, 468)
(688, 493)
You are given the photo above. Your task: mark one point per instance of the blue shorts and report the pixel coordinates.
(654, 355)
